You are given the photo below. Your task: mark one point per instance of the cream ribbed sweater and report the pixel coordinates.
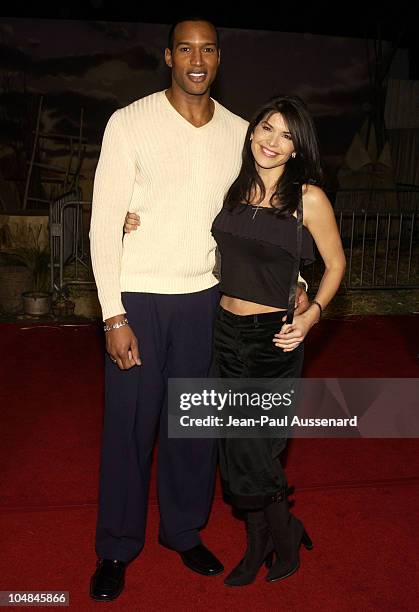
(174, 175)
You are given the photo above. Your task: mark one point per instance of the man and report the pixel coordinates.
(170, 157)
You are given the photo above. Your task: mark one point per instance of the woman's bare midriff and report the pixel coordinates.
(242, 307)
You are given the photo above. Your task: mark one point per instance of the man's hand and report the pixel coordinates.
(122, 345)
(301, 301)
(132, 221)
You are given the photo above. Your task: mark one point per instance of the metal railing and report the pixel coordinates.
(67, 244)
(381, 248)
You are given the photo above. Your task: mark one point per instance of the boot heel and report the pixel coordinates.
(269, 560)
(306, 541)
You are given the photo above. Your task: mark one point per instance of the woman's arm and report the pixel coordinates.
(319, 219)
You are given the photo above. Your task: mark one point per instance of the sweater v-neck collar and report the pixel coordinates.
(182, 118)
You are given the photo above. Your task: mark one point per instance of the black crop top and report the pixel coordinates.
(258, 251)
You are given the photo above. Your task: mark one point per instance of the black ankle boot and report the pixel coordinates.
(259, 549)
(288, 534)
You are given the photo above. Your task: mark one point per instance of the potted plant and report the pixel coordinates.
(15, 279)
(62, 306)
(24, 271)
(30, 253)
(37, 302)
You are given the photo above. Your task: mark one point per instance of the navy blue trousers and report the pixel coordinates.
(175, 340)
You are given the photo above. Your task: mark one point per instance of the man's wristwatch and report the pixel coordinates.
(117, 325)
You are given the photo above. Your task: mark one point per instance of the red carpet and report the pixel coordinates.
(358, 498)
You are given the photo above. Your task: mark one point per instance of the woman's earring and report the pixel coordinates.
(251, 137)
(294, 154)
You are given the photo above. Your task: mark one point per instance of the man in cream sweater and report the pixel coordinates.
(170, 157)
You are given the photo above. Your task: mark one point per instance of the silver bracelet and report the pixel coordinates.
(117, 325)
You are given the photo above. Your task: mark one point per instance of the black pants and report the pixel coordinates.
(250, 468)
(175, 340)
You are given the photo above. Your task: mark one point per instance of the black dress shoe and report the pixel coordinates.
(108, 580)
(201, 560)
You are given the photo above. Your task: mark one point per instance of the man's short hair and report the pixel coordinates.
(171, 35)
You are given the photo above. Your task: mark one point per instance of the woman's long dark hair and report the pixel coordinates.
(304, 168)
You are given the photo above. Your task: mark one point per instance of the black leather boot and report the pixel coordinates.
(288, 534)
(259, 549)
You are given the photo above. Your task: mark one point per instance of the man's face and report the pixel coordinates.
(195, 57)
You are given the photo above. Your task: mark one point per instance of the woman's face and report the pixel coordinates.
(272, 144)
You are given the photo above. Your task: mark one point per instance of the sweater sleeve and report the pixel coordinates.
(303, 281)
(112, 192)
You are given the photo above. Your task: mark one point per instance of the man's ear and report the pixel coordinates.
(168, 57)
(219, 56)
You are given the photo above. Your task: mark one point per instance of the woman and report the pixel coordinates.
(270, 216)
(273, 200)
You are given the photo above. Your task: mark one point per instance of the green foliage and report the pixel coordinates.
(37, 261)
(25, 249)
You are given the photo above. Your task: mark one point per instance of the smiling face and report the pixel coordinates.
(195, 57)
(272, 144)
